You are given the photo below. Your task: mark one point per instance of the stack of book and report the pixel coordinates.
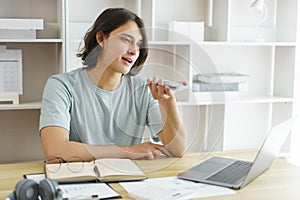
(220, 82)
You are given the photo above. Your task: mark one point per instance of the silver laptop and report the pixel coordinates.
(234, 173)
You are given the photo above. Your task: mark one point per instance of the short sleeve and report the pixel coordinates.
(56, 102)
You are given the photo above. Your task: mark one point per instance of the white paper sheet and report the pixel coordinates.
(87, 191)
(81, 190)
(172, 188)
(36, 177)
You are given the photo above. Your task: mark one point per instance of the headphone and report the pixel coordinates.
(28, 189)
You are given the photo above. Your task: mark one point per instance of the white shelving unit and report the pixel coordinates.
(218, 121)
(214, 122)
(41, 58)
(270, 64)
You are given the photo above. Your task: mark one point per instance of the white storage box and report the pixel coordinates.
(20, 28)
(186, 31)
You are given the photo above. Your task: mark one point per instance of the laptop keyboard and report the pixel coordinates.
(232, 173)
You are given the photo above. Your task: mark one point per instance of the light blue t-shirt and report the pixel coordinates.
(99, 117)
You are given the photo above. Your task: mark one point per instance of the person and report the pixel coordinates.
(102, 109)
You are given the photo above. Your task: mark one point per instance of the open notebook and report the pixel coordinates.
(103, 170)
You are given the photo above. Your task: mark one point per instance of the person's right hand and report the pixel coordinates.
(147, 150)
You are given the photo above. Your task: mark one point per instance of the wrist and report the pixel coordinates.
(171, 102)
(124, 151)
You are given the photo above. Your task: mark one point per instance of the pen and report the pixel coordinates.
(97, 171)
(176, 194)
(179, 194)
(83, 197)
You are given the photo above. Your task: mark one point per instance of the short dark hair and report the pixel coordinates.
(109, 20)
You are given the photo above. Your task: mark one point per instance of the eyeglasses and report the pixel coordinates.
(73, 165)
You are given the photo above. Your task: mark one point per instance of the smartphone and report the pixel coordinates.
(175, 85)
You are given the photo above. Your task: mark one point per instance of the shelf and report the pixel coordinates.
(31, 40)
(222, 43)
(267, 44)
(228, 98)
(150, 42)
(214, 43)
(21, 106)
(210, 43)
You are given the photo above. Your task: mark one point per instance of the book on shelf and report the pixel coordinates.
(102, 170)
(223, 78)
(200, 86)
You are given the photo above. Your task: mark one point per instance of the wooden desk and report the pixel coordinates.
(281, 181)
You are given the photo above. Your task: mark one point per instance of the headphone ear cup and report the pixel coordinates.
(12, 196)
(27, 189)
(49, 189)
